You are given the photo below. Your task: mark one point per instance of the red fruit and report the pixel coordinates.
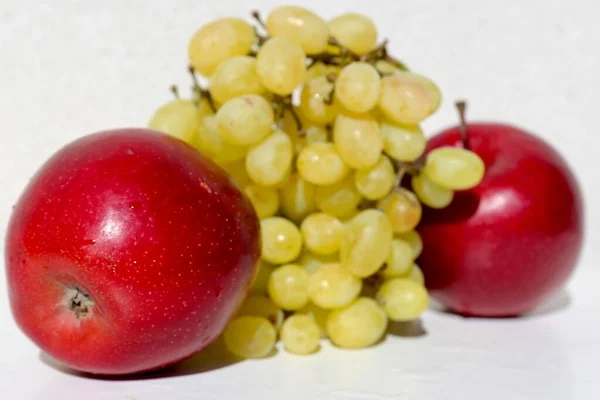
(127, 252)
(503, 247)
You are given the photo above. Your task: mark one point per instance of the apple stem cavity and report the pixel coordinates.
(79, 302)
(461, 106)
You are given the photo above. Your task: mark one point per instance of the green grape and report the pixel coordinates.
(270, 161)
(235, 77)
(261, 281)
(262, 306)
(402, 142)
(376, 182)
(414, 239)
(301, 25)
(357, 87)
(312, 261)
(280, 64)
(338, 199)
(321, 164)
(318, 314)
(454, 168)
(430, 193)
(322, 233)
(399, 260)
(354, 31)
(320, 69)
(357, 139)
(288, 287)
(403, 209)
(265, 200)
(250, 337)
(402, 299)
(281, 240)
(332, 286)
(314, 101)
(209, 142)
(218, 41)
(245, 120)
(366, 243)
(297, 198)
(178, 118)
(300, 334)
(237, 171)
(358, 325)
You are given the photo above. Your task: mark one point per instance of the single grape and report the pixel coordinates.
(454, 168)
(218, 41)
(300, 334)
(402, 299)
(322, 233)
(245, 120)
(402, 142)
(235, 77)
(318, 314)
(416, 275)
(321, 69)
(386, 68)
(312, 261)
(358, 325)
(332, 286)
(321, 164)
(297, 198)
(399, 260)
(210, 143)
(406, 99)
(403, 209)
(281, 240)
(338, 199)
(237, 172)
(265, 200)
(354, 31)
(375, 183)
(270, 161)
(357, 139)
(301, 25)
(288, 287)
(262, 306)
(315, 101)
(178, 118)
(357, 87)
(430, 193)
(414, 239)
(280, 64)
(366, 243)
(250, 337)
(261, 280)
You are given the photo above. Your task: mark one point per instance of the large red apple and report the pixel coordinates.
(503, 247)
(127, 252)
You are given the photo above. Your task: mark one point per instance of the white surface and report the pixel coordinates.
(72, 67)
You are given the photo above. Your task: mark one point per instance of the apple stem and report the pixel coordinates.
(79, 302)
(461, 106)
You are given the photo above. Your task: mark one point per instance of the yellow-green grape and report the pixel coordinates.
(210, 142)
(312, 261)
(315, 101)
(300, 334)
(454, 168)
(297, 198)
(237, 171)
(358, 325)
(386, 67)
(402, 142)
(311, 132)
(366, 243)
(414, 239)
(281, 240)
(250, 337)
(235, 77)
(288, 287)
(332, 286)
(403, 209)
(178, 118)
(402, 299)
(245, 120)
(265, 200)
(357, 87)
(375, 183)
(218, 41)
(322, 233)
(321, 69)
(301, 25)
(406, 99)
(354, 31)
(270, 161)
(338, 199)
(321, 164)
(261, 280)
(318, 314)
(399, 260)
(430, 193)
(357, 139)
(280, 64)
(262, 306)
(416, 275)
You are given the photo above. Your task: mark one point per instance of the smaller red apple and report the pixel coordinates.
(504, 246)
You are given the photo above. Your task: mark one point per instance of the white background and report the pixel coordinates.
(68, 68)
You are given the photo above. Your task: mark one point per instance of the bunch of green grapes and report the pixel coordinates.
(318, 125)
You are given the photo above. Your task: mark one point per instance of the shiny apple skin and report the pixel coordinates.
(503, 247)
(157, 235)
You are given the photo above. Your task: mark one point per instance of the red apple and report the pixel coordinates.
(504, 246)
(127, 252)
